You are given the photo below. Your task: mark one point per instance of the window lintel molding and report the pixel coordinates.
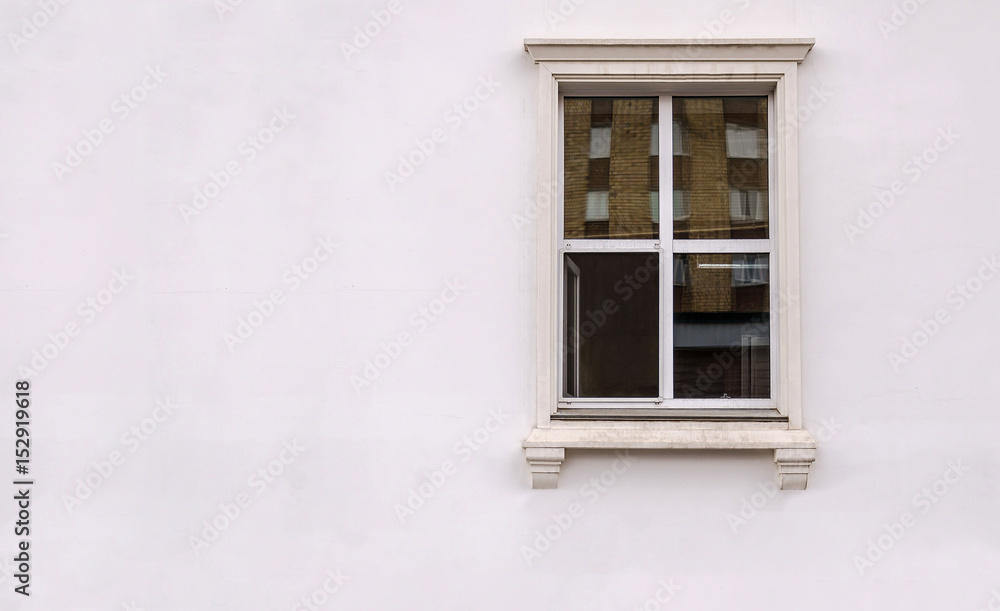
(544, 50)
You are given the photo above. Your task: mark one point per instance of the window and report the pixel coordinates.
(634, 340)
(627, 358)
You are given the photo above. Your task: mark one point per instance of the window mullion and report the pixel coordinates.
(666, 185)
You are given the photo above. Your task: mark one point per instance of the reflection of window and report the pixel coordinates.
(682, 204)
(600, 142)
(679, 139)
(754, 364)
(743, 141)
(596, 214)
(747, 205)
(750, 270)
(611, 165)
(597, 206)
(654, 206)
(571, 300)
(681, 271)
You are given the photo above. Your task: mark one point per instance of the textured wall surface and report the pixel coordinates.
(272, 282)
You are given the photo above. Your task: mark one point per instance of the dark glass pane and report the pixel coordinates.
(611, 168)
(722, 327)
(614, 346)
(571, 299)
(720, 168)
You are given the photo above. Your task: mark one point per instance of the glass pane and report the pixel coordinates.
(720, 168)
(571, 362)
(722, 328)
(614, 349)
(612, 166)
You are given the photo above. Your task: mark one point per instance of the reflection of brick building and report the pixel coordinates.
(611, 167)
(721, 301)
(720, 168)
(720, 184)
(721, 325)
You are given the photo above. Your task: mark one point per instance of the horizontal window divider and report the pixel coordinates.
(571, 246)
(722, 246)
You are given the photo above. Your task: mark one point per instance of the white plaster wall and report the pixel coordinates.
(669, 517)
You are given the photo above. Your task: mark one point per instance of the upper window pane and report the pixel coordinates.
(611, 164)
(720, 165)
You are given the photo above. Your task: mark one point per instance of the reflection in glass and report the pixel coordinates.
(612, 322)
(571, 332)
(611, 168)
(720, 165)
(722, 326)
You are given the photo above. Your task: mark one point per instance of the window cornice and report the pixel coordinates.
(544, 50)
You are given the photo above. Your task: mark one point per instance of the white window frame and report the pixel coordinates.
(665, 247)
(663, 68)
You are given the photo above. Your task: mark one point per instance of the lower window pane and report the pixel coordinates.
(612, 325)
(722, 326)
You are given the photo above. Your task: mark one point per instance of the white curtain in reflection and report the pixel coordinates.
(743, 142)
(750, 269)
